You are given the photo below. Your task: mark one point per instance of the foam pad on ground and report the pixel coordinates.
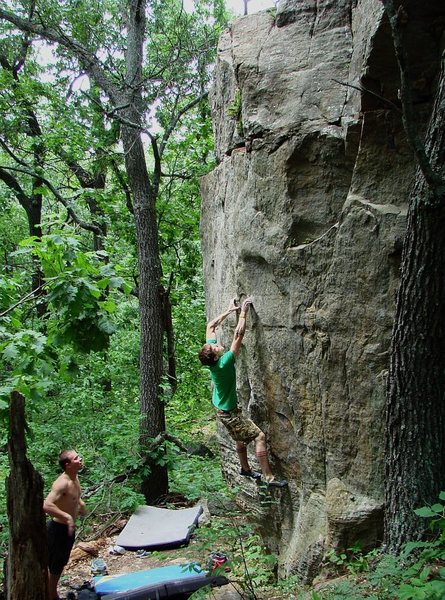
(163, 582)
(152, 527)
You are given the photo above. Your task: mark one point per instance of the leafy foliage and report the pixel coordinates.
(417, 573)
(72, 347)
(234, 110)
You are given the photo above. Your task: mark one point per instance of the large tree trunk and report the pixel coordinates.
(415, 465)
(34, 214)
(150, 308)
(150, 290)
(27, 558)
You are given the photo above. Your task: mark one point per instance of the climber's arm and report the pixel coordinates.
(241, 327)
(215, 323)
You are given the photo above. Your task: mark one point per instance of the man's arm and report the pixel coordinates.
(82, 508)
(241, 327)
(215, 323)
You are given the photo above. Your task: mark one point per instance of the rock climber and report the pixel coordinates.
(222, 370)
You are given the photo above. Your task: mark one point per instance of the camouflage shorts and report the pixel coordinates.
(240, 428)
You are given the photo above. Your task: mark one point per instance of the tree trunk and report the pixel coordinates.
(126, 96)
(150, 290)
(415, 419)
(34, 214)
(150, 307)
(28, 556)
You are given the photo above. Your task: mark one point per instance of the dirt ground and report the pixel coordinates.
(78, 570)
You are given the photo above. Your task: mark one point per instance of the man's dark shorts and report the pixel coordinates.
(240, 428)
(59, 546)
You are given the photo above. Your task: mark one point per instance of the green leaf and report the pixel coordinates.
(116, 282)
(41, 190)
(106, 325)
(103, 283)
(109, 305)
(425, 511)
(10, 351)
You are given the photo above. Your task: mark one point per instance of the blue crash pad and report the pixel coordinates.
(153, 527)
(163, 582)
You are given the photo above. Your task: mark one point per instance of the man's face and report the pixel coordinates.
(75, 463)
(218, 350)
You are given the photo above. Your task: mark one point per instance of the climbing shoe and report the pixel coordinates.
(277, 483)
(251, 474)
(143, 553)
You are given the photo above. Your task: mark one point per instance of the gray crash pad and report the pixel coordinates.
(157, 528)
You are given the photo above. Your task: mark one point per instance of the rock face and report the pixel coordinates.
(306, 211)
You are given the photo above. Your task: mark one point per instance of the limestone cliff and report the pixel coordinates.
(306, 211)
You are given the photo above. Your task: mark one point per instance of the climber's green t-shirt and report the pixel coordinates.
(224, 381)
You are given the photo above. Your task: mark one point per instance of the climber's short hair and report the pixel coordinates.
(207, 356)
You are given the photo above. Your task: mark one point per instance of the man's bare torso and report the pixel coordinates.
(67, 495)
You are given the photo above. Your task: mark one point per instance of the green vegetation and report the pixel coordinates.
(70, 280)
(234, 111)
(417, 573)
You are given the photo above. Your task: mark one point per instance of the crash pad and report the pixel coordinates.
(163, 582)
(158, 528)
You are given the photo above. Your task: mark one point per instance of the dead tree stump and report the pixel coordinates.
(28, 554)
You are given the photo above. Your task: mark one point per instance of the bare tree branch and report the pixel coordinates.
(85, 178)
(90, 62)
(60, 198)
(175, 119)
(23, 300)
(13, 155)
(19, 60)
(14, 185)
(124, 186)
(361, 88)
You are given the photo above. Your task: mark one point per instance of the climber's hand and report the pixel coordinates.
(233, 306)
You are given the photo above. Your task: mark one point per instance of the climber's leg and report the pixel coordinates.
(241, 449)
(242, 430)
(261, 454)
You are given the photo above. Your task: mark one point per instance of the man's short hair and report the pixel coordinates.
(207, 356)
(64, 458)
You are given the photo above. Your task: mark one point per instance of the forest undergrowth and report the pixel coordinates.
(419, 572)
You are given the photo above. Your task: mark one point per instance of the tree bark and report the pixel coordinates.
(415, 419)
(150, 307)
(28, 555)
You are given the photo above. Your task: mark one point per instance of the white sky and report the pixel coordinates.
(237, 6)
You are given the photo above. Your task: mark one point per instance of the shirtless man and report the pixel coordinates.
(63, 504)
